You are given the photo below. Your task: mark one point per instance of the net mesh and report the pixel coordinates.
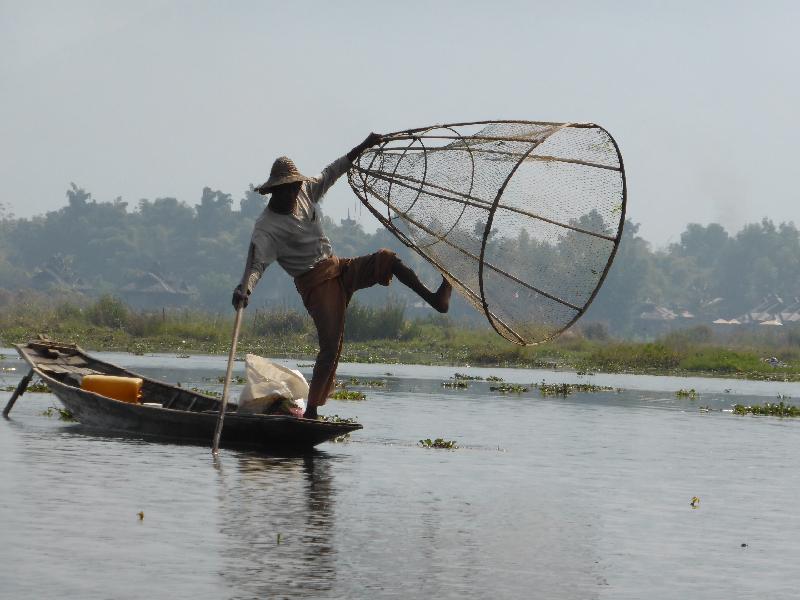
(523, 218)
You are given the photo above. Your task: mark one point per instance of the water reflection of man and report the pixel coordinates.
(289, 231)
(267, 496)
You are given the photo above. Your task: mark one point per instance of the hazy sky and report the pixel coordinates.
(151, 99)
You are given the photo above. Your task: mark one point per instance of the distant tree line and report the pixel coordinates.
(105, 245)
(710, 272)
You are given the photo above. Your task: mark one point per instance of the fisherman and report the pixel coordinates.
(289, 231)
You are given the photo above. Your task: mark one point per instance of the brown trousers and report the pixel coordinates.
(326, 291)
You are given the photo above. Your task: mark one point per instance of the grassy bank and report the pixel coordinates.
(383, 335)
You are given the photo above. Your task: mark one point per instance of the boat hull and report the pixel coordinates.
(93, 410)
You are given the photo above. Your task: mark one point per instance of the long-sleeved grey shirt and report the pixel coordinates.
(295, 240)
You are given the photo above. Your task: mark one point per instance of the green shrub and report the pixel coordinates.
(66, 311)
(374, 323)
(596, 332)
(722, 361)
(692, 336)
(142, 324)
(279, 322)
(637, 356)
(793, 336)
(108, 311)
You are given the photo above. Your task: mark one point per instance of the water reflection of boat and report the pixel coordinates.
(166, 410)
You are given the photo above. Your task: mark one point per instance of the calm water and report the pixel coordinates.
(585, 497)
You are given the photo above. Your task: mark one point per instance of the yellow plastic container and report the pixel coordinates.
(126, 389)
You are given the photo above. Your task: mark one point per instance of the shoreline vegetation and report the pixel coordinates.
(383, 335)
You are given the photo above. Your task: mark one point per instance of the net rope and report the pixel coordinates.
(523, 218)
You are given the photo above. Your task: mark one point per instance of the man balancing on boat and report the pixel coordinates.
(289, 231)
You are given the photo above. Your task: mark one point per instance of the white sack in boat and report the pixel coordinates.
(267, 382)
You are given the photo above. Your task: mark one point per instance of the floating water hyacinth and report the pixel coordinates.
(438, 443)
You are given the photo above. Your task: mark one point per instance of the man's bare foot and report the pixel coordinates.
(441, 298)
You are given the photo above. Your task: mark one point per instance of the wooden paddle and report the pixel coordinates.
(23, 384)
(218, 432)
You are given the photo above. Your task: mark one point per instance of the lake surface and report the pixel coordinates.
(579, 497)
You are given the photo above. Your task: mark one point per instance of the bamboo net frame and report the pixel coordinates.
(524, 218)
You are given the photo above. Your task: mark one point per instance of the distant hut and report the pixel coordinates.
(656, 319)
(149, 290)
(772, 323)
(790, 314)
(56, 274)
(653, 312)
(768, 310)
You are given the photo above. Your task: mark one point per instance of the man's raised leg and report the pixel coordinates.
(440, 299)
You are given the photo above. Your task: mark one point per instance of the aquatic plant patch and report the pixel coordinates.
(348, 395)
(565, 389)
(464, 377)
(37, 388)
(690, 394)
(64, 414)
(461, 385)
(768, 409)
(554, 389)
(356, 382)
(508, 388)
(439, 443)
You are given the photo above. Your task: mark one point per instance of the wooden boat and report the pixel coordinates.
(166, 411)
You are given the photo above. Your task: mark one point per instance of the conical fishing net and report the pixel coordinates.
(523, 218)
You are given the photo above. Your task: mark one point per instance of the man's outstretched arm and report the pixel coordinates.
(259, 256)
(318, 187)
(371, 140)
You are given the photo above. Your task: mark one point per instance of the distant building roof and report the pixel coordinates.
(150, 283)
(658, 313)
(772, 322)
(56, 272)
(768, 310)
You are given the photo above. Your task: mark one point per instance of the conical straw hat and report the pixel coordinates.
(283, 171)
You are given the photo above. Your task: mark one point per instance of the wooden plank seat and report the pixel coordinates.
(59, 368)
